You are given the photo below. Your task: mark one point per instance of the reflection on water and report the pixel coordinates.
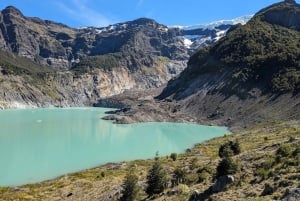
(40, 144)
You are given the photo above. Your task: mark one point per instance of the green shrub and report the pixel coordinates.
(206, 169)
(284, 150)
(194, 164)
(179, 176)
(191, 178)
(262, 173)
(202, 177)
(268, 163)
(229, 149)
(173, 156)
(227, 166)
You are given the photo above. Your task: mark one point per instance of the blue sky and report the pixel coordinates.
(77, 13)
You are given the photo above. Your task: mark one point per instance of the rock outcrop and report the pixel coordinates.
(285, 14)
(292, 195)
(222, 183)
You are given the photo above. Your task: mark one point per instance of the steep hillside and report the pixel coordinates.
(251, 75)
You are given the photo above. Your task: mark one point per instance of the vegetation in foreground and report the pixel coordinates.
(266, 167)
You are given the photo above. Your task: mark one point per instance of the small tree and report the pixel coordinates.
(173, 156)
(229, 149)
(156, 178)
(227, 166)
(130, 187)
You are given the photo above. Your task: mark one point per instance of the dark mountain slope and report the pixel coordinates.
(252, 74)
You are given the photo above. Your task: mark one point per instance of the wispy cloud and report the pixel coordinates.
(82, 13)
(139, 4)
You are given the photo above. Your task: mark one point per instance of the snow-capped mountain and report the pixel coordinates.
(192, 37)
(212, 25)
(197, 36)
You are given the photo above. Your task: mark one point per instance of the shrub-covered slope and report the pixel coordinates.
(254, 69)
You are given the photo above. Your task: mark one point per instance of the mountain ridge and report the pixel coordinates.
(137, 54)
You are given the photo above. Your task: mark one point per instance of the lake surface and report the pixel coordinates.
(40, 144)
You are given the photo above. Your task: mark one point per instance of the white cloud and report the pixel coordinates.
(79, 11)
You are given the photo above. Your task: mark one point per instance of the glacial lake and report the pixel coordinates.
(41, 144)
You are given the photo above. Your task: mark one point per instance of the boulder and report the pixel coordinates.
(222, 183)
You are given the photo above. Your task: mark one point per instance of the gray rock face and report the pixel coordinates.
(222, 183)
(17, 38)
(61, 47)
(285, 14)
(292, 195)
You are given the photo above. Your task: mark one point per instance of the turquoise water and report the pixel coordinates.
(40, 144)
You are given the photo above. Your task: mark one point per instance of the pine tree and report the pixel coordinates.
(130, 187)
(156, 178)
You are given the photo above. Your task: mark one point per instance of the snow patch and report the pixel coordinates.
(220, 34)
(187, 42)
(111, 28)
(240, 20)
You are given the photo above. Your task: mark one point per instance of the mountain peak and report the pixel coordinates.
(144, 21)
(286, 14)
(12, 10)
(290, 1)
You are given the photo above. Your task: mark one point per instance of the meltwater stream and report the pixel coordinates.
(40, 144)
